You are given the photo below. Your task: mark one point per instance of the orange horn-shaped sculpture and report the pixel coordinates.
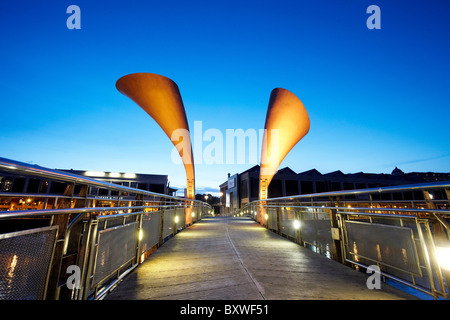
(161, 99)
(287, 122)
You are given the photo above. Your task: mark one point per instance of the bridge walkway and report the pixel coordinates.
(224, 258)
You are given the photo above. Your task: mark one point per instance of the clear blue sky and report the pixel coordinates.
(376, 98)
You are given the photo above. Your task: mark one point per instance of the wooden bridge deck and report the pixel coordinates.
(223, 258)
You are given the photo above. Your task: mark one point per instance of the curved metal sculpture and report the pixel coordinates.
(161, 99)
(287, 122)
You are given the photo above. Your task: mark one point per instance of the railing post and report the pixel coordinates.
(434, 259)
(426, 256)
(438, 237)
(278, 218)
(174, 224)
(337, 236)
(76, 240)
(298, 216)
(87, 238)
(62, 221)
(140, 219)
(184, 218)
(428, 199)
(93, 227)
(161, 228)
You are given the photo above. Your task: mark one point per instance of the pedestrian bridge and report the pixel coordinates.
(136, 244)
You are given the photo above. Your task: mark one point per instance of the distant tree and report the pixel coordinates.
(208, 198)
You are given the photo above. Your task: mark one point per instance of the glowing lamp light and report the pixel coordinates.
(140, 234)
(176, 219)
(443, 255)
(95, 173)
(114, 174)
(266, 216)
(296, 224)
(193, 214)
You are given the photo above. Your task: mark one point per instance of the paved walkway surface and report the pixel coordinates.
(221, 258)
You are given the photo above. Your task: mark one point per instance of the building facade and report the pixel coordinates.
(24, 192)
(157, 183)
(243, 188)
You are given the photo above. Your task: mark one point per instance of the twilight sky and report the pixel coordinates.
(376, 98)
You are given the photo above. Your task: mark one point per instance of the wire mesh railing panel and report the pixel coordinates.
(316, 232)
(195, 214)
(168, 225)
(151, 223)
(287, 218)
(272, 218)
(25, 258)
(116, 246)
(387, 245)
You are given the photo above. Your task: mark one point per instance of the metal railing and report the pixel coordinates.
(409, 241)
(79, 246)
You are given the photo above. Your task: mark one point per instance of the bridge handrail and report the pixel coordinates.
(441, 211)
(331, 223)
(16, 167)
(409, 187)
(51, 212)
(45, 242)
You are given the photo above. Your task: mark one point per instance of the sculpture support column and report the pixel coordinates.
(161, 99)
(287, 122)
